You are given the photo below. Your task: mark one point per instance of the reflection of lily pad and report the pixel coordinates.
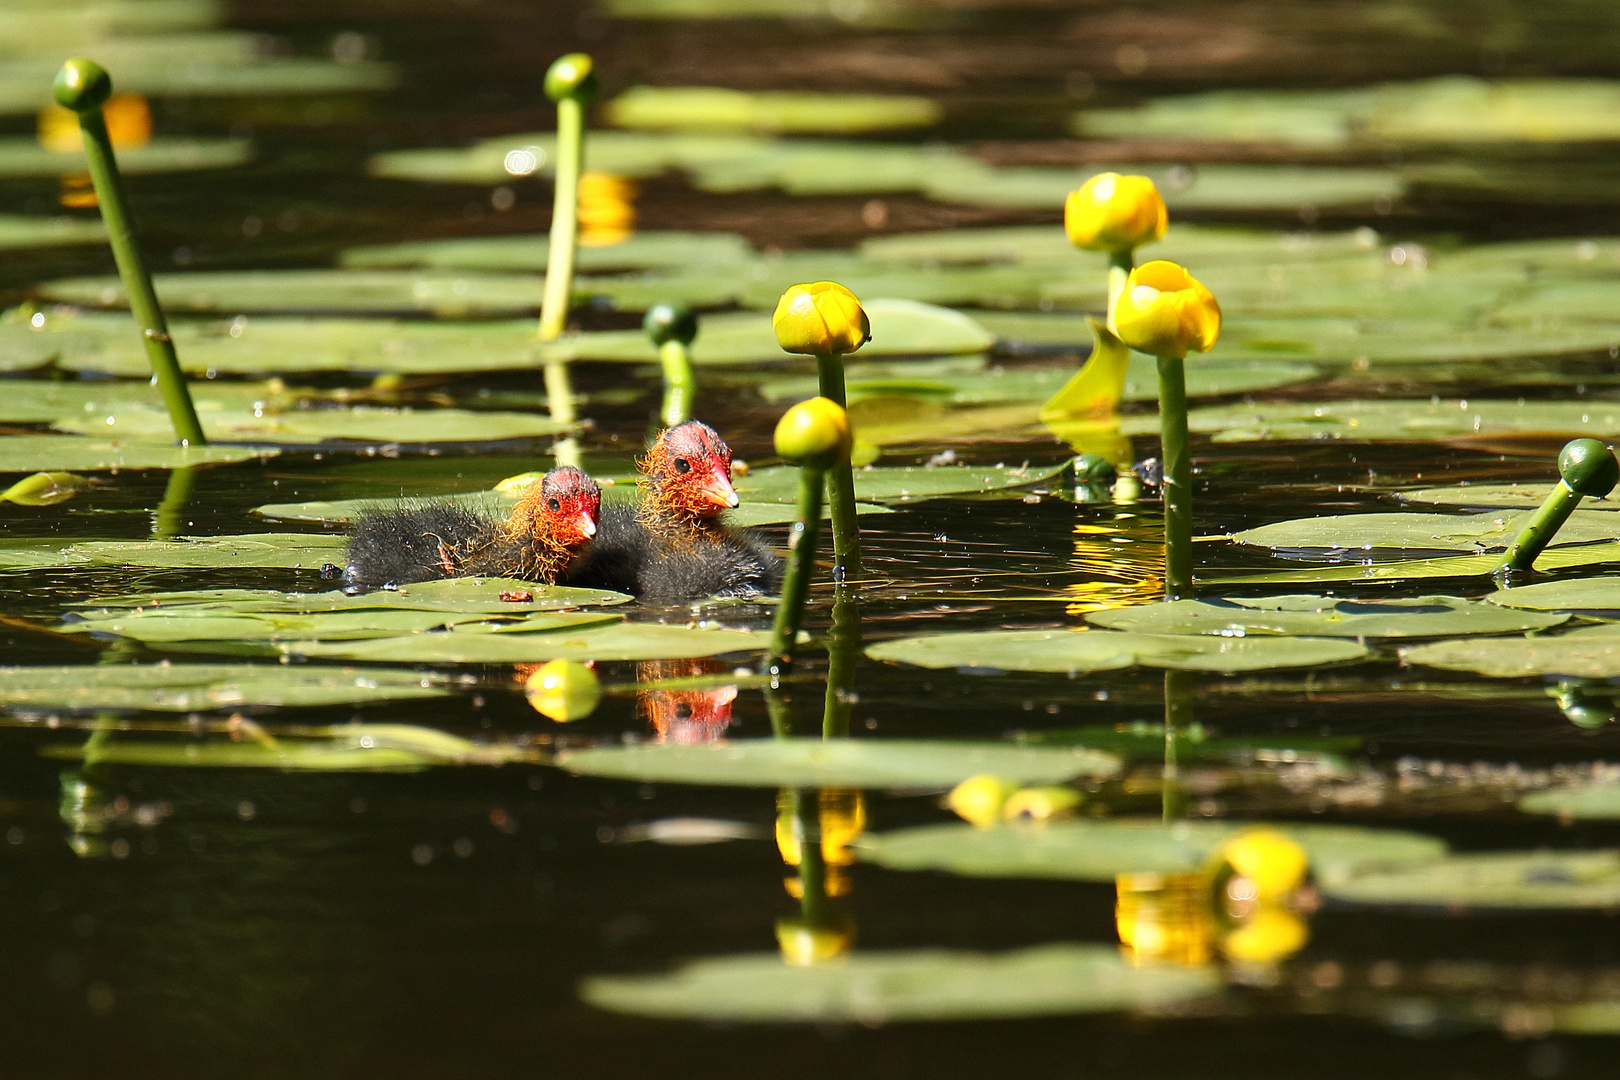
(1593, 594)
(1517, 879)
(68, 453)
(1590, 653)
(847, 763)
(194, 687)
(1105, 650)
(619, 641)
(1083, 850)
(1326, 616)
(891, 987)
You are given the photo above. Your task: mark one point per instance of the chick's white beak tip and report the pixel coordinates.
(587, 526)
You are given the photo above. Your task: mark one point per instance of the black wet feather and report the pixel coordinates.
(398, 546)
(628, 557)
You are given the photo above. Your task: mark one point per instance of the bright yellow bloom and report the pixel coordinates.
(564, 690)
(814, 432)
(1111, 213)
(1274, 864)
(979, 799)
(1165, 311)
(820, 319)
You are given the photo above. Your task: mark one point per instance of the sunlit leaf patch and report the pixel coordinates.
(1589, 653)
(1074, 651)
(1326, 616)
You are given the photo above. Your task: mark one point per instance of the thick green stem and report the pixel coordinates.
(680, 384)
(801, 566)
(1178, 716)
(843, 650)
(1120, 265)
(1177, 483)
(841, 484)
(560, 266)
(143, 301)
(169, 519)
(1539, 530)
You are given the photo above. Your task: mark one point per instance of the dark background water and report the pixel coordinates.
(437, 924)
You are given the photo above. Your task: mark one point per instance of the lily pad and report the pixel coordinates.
(343, 748)
(1578, 802)
(1082, 850)
(1325, 616)
(618, 641)
(462, 595)
(780, 483)
(1398, 421)
(304, 551)
(68, 453)
(195, 687)
(1553, 880)
(1589, 653)
(1593, 595)
(1454, 566)
(1209, 187)
(360, 423)
(875, 988)
(711, 108)
(1494, 496)
(21, 158)
(844, 763)
(17, 231)
(165, 624)
(651, 249)
(1418, 532)
(1101, 650)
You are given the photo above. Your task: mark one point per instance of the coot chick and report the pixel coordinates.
(672, 546)
(556, 517)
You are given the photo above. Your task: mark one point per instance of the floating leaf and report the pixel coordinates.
(712, 108)
(876, 988)
(359, 423)
(1210, 187)
(305, 551)
(1399, 421)
(196, 687)
(342, 748)
(845, 763)
(1325, 616)
(17, 231)
(1082, 850)
(68, 453)
(1496, 496)
(1590, 653)
(1517, 879)
(165, 624)
(645, 250)
(1454, 566)
(24, 157)
(1597, 595)
(901, 484)
(464, 595)
(619, 641)
(1418, 532)
(44, 489)
(1579, 802)
(1099, 650)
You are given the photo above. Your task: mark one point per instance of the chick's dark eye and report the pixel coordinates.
(554, 504)
(682, 465)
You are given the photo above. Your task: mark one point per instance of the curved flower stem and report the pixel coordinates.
(801, 566)
(680, 384)
(560, 266)
(1177, 484)
(1120, 265)
(843, 650)
(1538, 532)
(143, 301)
(840, 483)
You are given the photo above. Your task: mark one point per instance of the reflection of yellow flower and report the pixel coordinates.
(804, 945)
(1165, 311)
(606, 209)
(1164, 918)
(842, 815)
(820, 319)
(128, 118)
(980, 799)
(1112, 213)
(1269, 935)
(1274, 864)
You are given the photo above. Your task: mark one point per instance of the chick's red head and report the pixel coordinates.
(689, 470)
(562, 508)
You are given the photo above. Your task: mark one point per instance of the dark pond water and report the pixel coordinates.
(169, 921)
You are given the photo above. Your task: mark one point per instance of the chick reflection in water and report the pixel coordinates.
(1248, 904)
(678, 710)
(815, 831)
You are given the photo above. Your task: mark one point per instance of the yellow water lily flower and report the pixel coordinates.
(1273, 863)
(1114, 213)
(820, 319)
(1165, 311)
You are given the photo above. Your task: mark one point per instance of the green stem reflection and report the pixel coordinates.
(1177, 482)
(168, 521)
(1178, 716)
(843, 651)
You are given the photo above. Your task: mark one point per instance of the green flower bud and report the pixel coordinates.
(814, 433)
(82, 85)
(670, 322)
(572, 76)
(1588, 467)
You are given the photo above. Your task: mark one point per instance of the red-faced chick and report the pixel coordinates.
(672, 545)
(556, 518)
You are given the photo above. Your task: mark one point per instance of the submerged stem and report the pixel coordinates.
(1177, 484)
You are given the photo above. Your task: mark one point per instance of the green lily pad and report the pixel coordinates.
(165, 624)
(343, 748)
(844, 763)
(1142, 741)
(1099, 650)
(1083, 850)
(1399, 421)
(663, 250)
(301, 551)
(1595, 595)
(21, 158)
(462, 595)
(1325, 616)
(1580, 802)
(1495, 496)
(360, 423)
(1209, 187)
(875, 988)
(69, 453)
(17, 231)
(1555, 880)
(618, 641)
(780, 483)
(1190, 245)
(1453, 566)
(1419, 532)
(1590, 653)
(711, 108)
(196, 687)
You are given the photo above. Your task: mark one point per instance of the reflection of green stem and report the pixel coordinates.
(143, 301)
(841, 483)
(560, 266)
(780, 710)
(1177, 485)
(801, 566)
(814, 905)
(1178, 716)
(1120, 265)
(1539, 530)
(843, 649)
(167, 521)
(680, 385)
